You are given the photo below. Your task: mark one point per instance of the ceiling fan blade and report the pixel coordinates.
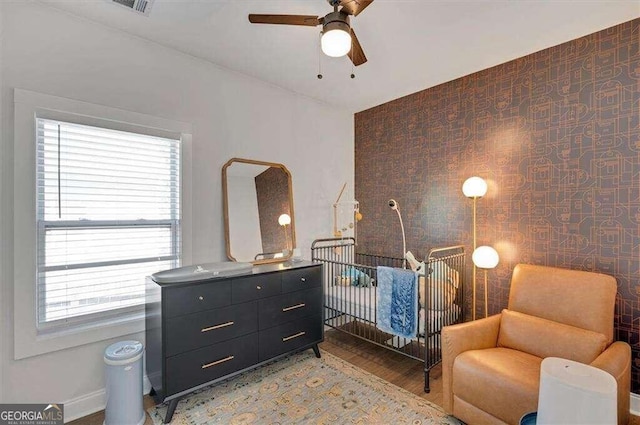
(356, 54)
(307, 20)
(354, 7)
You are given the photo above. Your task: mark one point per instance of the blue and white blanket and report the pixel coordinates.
(397, 303)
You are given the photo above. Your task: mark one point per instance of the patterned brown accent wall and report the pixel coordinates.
(557, 136)
(272, 187)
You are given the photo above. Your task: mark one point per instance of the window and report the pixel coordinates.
(108, 214)
(31, 335)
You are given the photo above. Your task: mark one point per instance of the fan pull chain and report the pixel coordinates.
(352, 73)
(320, 57)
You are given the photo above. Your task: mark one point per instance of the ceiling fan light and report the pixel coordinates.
(335, 42)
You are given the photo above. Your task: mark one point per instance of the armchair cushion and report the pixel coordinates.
(582, 299)
(545, 338)
(498, 380)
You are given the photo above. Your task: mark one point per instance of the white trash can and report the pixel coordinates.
(123, 372)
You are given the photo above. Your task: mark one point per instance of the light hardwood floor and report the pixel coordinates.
(395, 368)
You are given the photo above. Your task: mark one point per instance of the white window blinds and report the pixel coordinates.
(108, 211)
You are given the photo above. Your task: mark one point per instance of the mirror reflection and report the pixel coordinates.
(259, 221)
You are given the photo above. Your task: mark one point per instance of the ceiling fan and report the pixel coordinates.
(338, 38)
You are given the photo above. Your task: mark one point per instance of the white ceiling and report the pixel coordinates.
(411, 44)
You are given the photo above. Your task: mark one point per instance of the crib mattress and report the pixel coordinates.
(361, 302)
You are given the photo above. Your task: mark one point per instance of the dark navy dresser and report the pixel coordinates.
(201, 332)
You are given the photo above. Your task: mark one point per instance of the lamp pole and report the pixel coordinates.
(486, 297)
(473, 278)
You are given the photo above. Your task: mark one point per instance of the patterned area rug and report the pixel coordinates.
(302, 389)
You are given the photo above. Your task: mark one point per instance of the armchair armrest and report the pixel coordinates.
(616, 360)
(457, 339)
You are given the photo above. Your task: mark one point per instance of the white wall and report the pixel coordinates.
(47, 51)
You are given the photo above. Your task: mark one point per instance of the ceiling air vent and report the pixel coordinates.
(139, 6)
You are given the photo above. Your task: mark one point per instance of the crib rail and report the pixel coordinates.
(351, 297)
(437, 262)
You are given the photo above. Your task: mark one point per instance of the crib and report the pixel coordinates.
(350, 297)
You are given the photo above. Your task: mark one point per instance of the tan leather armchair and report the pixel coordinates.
(491, 367)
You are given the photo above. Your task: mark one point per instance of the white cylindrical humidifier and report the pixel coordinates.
(573, 393)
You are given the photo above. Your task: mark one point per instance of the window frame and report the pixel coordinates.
(28, 107)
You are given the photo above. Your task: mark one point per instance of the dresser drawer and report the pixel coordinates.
(287, 307)
(290, 336)
(196, 367)
(295, 280)
(195, 298)
(197, 330)
(255, 287)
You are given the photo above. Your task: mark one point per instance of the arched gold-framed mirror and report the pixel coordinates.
(258, 211)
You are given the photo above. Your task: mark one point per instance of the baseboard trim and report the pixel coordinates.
(634, 405)
(84, 405)
(93, 402)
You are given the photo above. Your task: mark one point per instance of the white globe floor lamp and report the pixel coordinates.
(474, 188)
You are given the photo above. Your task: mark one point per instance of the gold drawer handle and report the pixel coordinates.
(222, 325)
(226, 359)
(287, 338)
(293, 307)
